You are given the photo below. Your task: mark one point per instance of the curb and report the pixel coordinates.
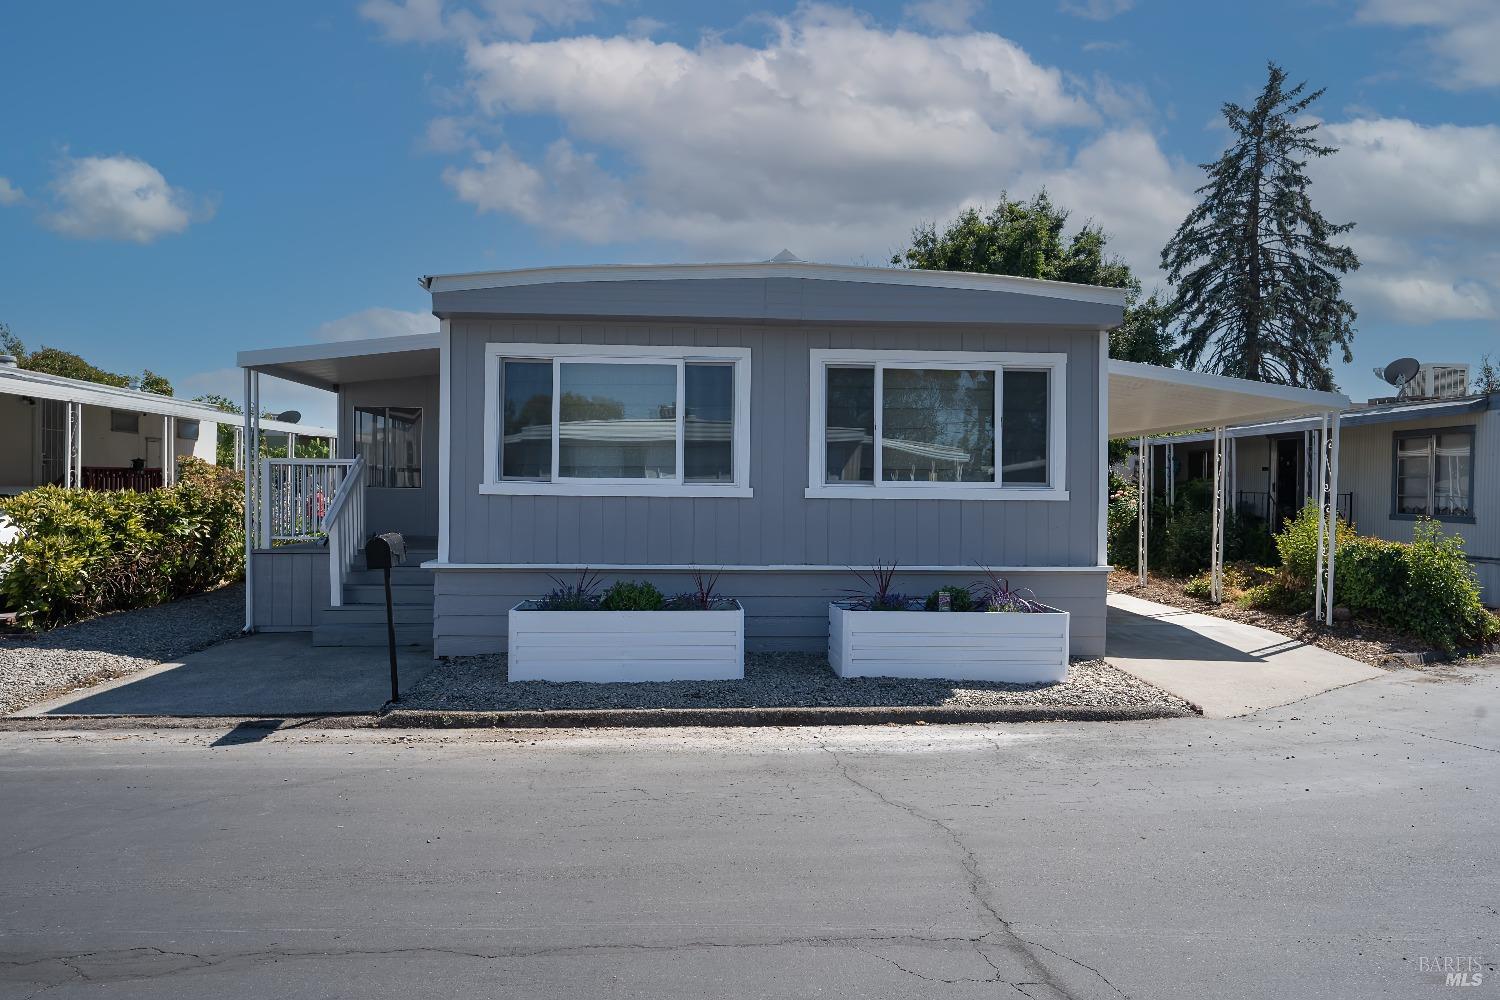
(1415, 660)
(634, 718)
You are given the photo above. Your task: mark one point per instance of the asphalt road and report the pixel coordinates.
(1334, 848)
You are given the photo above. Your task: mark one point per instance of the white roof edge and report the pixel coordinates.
(337, 349)
(776, 269)
(20, 381)
(1314, 399)
(1381, 414)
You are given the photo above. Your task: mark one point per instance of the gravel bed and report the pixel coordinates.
(776, 680)
(36, 667)
(1361, 641)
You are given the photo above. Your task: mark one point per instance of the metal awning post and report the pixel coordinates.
(1142, 504)
(1322, 511)
(1333, 509)
(250, 441)
(1216, 543)
(1171, 473)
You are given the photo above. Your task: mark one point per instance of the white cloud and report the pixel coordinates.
(806, 140)
(1426, 203)
(1462, 35)
(1124, 182)
(1095, 10)
(376, 322)
(644, 27)
(119, 198)
(942, 15)
(9, 193)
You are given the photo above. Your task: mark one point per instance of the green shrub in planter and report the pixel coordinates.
(80, 553)
(960, 598)
(631, 595)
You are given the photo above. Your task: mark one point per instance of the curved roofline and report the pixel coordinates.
(775, 269)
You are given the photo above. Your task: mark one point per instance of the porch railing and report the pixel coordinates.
(1262, 506)
(110, 479)
(294, 497)
(344, 522)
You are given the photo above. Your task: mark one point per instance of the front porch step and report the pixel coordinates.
(371, 635)
(374, 593)
(374, 614)
(401, 576)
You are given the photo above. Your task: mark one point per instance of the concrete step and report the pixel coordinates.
(371, 635)
(373, 593)
(401, 576)
(414, 560)
(374, 614)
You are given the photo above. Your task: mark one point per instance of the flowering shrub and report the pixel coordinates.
(80, 553)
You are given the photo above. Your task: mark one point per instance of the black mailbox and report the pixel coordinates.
(385, 551)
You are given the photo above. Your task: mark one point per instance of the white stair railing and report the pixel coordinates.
(344, 522)
(295, 494)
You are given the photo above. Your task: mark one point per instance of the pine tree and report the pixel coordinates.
(1257, 274)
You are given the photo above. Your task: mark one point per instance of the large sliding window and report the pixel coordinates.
(936, 425)
(389, 439)
(617, 421)
(1433, 474)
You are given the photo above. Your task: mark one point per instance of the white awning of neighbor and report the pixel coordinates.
(1146, 399)
(328, 366)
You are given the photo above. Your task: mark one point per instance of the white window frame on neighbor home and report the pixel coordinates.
(495, 484)
(1055, 365)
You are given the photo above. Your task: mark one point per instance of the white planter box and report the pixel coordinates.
(1014, 647)
(626, 645)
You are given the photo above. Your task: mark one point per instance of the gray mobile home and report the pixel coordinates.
(780, 421)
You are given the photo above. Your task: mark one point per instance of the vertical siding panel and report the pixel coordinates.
(816, 545)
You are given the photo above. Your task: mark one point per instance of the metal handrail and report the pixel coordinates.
(353, 476)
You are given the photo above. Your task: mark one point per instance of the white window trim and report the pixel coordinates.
(739, 357)
(1054, 364)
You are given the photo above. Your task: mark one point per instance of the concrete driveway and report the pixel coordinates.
(267, 674)
(1222, 668)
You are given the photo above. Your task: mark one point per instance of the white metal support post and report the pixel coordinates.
(68, 447)
(1216, 543)
(1322, 499)
(1142, 505)
(1333, 510)
(248, 442)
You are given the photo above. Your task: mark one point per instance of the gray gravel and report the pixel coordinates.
(776, 680)
(35, 668)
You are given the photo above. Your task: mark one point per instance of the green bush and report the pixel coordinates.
(631, 595)
(961, 598)
(80, 553)
(1424, 588)
(1297, 546)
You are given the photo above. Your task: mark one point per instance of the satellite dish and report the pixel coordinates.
(289, 417)
(1401, 371)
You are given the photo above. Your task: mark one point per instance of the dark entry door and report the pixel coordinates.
(1288, 480)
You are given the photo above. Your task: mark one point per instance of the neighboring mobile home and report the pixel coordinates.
(1399, 461)
(66, 432)
(782, 420)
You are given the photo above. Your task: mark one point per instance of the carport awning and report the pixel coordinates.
(1146, 399)
(328, 366)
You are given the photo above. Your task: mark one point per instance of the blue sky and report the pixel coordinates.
(193, 179)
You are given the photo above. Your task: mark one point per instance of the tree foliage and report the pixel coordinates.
(1256, 268)
(1487, 378)
(66, 364)
(1028, 239)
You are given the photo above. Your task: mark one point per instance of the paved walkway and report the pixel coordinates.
(267, 674)
(1223, 668)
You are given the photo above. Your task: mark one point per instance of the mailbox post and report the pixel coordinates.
(382, 552)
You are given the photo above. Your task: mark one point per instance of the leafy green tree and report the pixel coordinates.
(1256, 268)
(152, 382)
(1487, 379)
(1028, 239)
(54, 361)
